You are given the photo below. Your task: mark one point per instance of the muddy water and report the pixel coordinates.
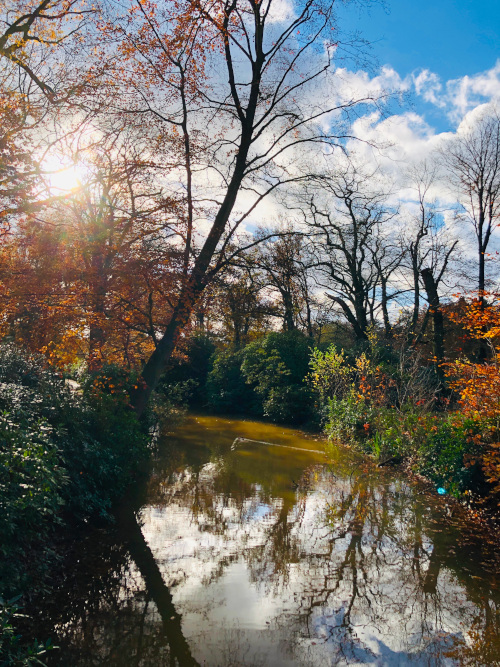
(251, 547)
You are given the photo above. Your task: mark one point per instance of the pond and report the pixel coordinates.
(253, 547)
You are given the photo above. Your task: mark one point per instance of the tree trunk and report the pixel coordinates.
(194, 285)
(359, 330)
(97, 335)
(437, 318)
(157, 362)
(288, 320)
(481, 278)
(416, 301)
(385, 311)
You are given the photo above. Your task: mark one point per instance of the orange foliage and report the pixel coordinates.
(92, 278)
(478, 384)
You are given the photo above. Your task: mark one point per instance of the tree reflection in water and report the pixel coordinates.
(260, 555)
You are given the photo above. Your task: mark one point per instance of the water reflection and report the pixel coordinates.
(248, 554)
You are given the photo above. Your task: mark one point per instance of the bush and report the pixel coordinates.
(383, 406)
(192, 367)
(227, 390)
(276, 367)
(346, 419)
(106, 444)
(450, 455)
(31, 483)
(59, 450)
(13, 652)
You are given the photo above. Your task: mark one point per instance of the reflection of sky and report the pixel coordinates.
(227, 579)
(350, 568)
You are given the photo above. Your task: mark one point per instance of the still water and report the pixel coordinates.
(253, 547)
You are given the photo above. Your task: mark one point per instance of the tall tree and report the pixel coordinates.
(280, 257)
(234, 86)
(345, 213)
(241, 305)
(427, 250)
(472, 163)
(97, 267)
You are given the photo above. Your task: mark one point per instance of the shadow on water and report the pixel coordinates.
(244, 553)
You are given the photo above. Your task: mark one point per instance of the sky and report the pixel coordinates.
(452, 45)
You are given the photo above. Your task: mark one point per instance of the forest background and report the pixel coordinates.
(213, 203)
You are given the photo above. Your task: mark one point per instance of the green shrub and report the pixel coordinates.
(104, 445)
(399, 432)
(441, 447)
(227, 390)
(276, 367)
(59, 451)
(449, 456)
(13, 651)
(168, 406)
(193, 367)
(31, 483)
(346, 419)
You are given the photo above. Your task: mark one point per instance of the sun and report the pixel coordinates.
(63, 176)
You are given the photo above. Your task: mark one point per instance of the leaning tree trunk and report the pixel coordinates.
(157, 362)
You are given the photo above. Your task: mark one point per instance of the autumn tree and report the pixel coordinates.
(40, 84)
(478, 384)
(32, 29)
(111, 261)
(121, 242)
(234, 86)
(39, 297)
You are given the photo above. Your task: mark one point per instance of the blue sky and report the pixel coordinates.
(449, 38)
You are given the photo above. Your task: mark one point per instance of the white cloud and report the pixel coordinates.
(395, 142)
(280, 11)
(458, 96)
(359, 84)
(468, 92)
(428, 85)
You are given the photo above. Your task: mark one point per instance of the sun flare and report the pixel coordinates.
(62, 178)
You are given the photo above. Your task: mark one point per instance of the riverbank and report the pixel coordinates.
(380, 397)
(66, 457)
(69, 456)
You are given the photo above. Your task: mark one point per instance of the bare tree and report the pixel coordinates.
(345, 213)
(472, 163)
(281, 258)
(240, 303)
(387, 258)
(428, 249)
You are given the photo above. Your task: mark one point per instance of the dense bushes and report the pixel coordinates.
(13, 651)
(191, 366)
(383, 398)
(31, 489)
(388, 408)
(227, 389)
(62, 454)
(265, 378)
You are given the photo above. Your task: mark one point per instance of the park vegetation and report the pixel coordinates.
(140, 269)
